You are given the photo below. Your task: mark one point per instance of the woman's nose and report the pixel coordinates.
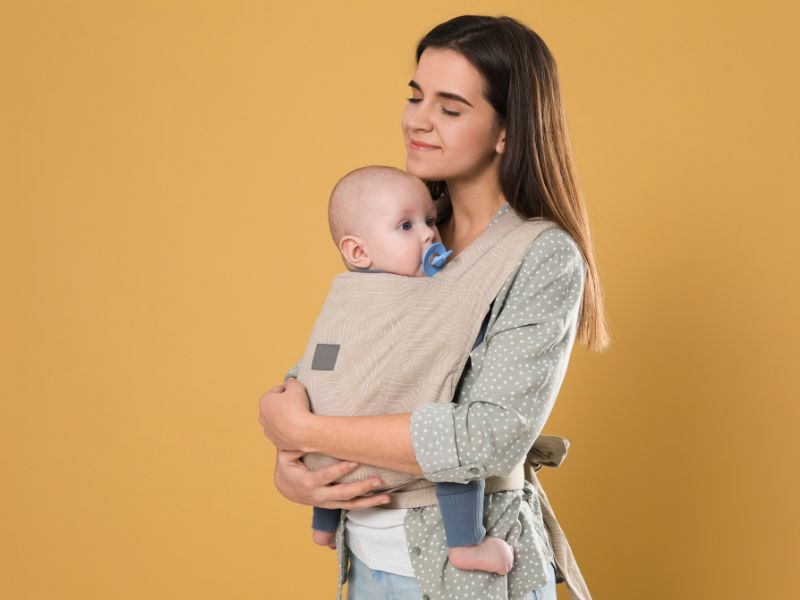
(420, 118)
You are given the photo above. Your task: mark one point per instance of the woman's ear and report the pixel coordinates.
(354, 252)
(501, 141)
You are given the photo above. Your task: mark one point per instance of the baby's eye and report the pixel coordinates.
(403, 225)
(431, 221)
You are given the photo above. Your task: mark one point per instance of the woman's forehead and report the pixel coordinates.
(448, 71)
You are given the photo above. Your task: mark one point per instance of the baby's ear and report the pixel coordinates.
(354, 251)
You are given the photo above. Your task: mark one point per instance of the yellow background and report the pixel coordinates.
(165, 174)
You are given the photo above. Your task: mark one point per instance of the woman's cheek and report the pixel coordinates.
(462, 157)
(477, 149)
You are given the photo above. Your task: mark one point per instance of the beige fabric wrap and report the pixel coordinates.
(404, 342)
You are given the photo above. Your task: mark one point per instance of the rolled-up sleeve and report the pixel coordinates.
(506, 400)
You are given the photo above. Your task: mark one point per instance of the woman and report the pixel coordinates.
(485, 127)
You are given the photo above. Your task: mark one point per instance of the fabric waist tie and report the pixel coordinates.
(422, 492)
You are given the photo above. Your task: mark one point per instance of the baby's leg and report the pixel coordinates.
(469, 548)
(324, 523)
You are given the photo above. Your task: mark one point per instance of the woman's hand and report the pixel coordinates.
(284, 414)
(378, 440)
(298, 483)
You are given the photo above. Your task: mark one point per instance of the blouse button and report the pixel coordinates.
(426, 597)
(416, 550)
(474, 470)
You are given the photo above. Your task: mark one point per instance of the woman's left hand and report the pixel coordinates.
(284, 413)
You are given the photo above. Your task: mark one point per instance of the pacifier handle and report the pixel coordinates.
(434, 258)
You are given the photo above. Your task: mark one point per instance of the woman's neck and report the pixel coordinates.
(473, 203)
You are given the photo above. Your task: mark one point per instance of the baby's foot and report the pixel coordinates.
(492, 554)
(324, 538)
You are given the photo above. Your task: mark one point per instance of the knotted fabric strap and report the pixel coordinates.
(550, 451)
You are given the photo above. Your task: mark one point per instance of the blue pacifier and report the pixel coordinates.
(434, 258)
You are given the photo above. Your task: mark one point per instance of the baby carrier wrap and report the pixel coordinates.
(386, 343)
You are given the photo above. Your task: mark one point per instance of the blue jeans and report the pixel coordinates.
(364, 583)
(548, 592)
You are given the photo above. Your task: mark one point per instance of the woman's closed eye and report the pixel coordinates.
(450, 113)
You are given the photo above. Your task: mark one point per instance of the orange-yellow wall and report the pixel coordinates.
(165, 171)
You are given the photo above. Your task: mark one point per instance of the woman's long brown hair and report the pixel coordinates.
(537, 172)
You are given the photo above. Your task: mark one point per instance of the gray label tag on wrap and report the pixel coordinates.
(325, 357)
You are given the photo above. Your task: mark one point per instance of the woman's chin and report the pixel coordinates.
(423, 171)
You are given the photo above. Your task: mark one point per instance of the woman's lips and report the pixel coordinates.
(415, 145)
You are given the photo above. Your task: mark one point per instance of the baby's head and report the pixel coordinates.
(382, 218)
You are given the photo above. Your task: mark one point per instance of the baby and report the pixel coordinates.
(383, 219)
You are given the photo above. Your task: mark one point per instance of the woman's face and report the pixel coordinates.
(451, 131)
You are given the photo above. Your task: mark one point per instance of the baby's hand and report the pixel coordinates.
(324, 538)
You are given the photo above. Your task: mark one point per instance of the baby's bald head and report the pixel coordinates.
(362, 193)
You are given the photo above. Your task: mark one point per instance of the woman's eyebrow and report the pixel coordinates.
(448, 95)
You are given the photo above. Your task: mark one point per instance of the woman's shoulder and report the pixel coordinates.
(552, 250)
(548, 283)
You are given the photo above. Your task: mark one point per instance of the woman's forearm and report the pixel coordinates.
(380, 440)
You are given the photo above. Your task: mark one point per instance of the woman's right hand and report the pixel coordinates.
(300, 484)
